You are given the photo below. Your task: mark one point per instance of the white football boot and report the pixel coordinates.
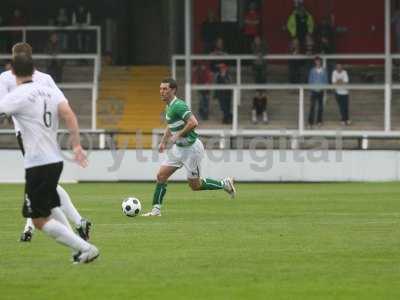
(229, 186)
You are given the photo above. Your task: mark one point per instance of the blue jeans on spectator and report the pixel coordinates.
(317, 98)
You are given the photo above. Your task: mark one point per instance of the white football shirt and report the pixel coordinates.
(35, 108)
(336, 76)
(8, 83)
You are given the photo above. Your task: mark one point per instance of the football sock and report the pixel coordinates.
(211, 184)
(29, 224)
(69, 209)
(159, 193)
(64, 236)
(57, 214)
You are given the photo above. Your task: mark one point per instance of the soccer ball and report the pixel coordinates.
(131, 207)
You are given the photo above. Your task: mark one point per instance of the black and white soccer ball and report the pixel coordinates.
(131, 207)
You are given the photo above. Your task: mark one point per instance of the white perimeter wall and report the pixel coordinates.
(244, 165)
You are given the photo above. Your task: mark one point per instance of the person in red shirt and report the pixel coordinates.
(203, 75)
(251, 26)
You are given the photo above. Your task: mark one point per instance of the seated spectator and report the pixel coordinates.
(209, 31)
(299, 24)
(259, 49)
(55, 66)
(317, 76)
(224, 96)
(81, 18)
(251, 27)
(295, 65)
(259, 107)
(203, 75)
(340, 77)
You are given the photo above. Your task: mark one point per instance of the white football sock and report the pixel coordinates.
(65, 236)
(68, 208)
(28, 224)
(57, 214)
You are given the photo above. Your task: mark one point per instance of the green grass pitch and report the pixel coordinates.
(275, 241)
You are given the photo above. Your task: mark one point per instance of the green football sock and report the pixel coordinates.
(211, 184)
(159, 193)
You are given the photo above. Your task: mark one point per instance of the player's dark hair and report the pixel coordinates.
(22, 48)
(172, 83)
(22, 65)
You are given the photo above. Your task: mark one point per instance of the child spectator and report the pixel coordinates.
(259, 107)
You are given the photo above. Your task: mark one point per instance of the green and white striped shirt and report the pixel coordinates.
(177, 113)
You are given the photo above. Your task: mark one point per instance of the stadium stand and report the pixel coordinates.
(129, 100)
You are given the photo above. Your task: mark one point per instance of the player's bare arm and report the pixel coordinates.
(69, 117)
(164, 140)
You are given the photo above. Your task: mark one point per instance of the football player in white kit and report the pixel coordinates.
(7, 84)
(37, 108)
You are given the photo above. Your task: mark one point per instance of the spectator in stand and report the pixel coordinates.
(203, 75)
(396, 24)
(295, 65)
(299, 24)
(209, 31)
(251, 27)
(224, 96)
(326, 44)
(259, 49)
(326, 35)
(307, 64)
(219, 49)
(317, 76)
(61, 21)
(81, 18)
(340, 77)
(259, 107)
(3, 37)
(17, 20)
(55, 66)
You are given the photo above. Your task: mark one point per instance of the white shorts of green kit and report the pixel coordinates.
(189, 157)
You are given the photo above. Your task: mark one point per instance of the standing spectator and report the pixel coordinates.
(307, 64)
(61, 21)
(251, 26)
(55, 65)
(81, 18)
(209, 31)
(3, 37)
(203, 75)
(326, 43)
(259, 107)
(295, 65)
(299, 23)
(326, 35)
(396, 24)
(224, 96)
(259, 49)
(340, 77)
(317, 76)
(219, 49)
(17, 20)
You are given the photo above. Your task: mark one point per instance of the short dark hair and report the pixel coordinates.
(22, 65)
(22, 48)
(172, 83)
